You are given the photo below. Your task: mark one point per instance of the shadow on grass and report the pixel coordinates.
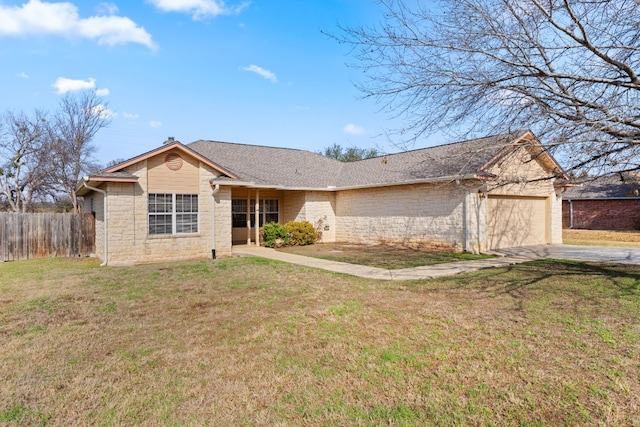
(583, 281)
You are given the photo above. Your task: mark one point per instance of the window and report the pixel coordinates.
(173, 214)
(239, 213)
(269, 212)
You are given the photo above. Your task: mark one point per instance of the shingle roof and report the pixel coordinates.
(440, 162)
(271, 165)
(303, 169)
(611, 186)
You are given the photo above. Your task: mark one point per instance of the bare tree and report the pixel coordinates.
(24, 161)
(566, 69)
(79, 118)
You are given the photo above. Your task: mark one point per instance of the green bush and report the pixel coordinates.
(301, 233)
(272, 232)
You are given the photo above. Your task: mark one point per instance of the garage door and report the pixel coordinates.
(516, 221)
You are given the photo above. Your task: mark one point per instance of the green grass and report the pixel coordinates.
(247, 341)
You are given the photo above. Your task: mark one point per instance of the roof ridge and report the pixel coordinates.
(258, 146)
(512, 135)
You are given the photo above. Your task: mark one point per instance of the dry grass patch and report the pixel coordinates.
(250, 341)
(601, 237)
(381, 256)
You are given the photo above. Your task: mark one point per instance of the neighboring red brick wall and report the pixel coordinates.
(603, 214)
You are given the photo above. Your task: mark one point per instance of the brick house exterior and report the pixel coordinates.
(610, 202)
(195, 201)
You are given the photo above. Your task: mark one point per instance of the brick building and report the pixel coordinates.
(610, 202)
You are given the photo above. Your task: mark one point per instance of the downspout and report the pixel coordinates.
(466, 221)
(216, 189)
(106, 229)
(570, 213)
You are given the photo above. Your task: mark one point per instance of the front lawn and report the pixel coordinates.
(379, 256)
(248, 341)
(629, 238)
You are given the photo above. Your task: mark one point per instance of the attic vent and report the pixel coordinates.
(173, 161)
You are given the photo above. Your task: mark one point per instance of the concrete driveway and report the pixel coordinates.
(577, 253)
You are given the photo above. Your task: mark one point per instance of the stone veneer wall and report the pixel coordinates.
(555, 200)
(477, 217)
(320, 208)
(293, 207)
(223, 222)
(413, 215)
(317, 207)
(129, 242)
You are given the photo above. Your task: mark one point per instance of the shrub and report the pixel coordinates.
(301, 233)
(272, 232)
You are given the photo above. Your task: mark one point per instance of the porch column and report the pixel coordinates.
(257, 224)
(248, 216)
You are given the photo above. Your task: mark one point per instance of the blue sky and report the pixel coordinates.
(257, 72)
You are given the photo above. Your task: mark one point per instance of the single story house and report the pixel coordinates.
(608, 202)
(198, 200)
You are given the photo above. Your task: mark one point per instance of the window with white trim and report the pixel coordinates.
(173, 213)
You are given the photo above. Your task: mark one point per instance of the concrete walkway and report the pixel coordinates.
(577, 253)
(425, 272)
(507, 257)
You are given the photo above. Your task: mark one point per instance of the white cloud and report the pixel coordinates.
(103, 112)
(155, 124)
(352, 129)
(64, 85)
(102, 92)
(130, 116)
(261, 72)
(62, 19)
(23, 75)
(107, 9)
(199, 9)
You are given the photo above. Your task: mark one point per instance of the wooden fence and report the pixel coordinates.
(41, 235)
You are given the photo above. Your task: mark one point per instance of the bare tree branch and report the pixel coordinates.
(567, 69)
(24, 164)
(75, 124)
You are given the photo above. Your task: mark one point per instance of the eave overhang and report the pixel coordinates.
(98, 180)
(331, 188)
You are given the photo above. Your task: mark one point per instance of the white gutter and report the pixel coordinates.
(106, 228)
(252, 184)
(216, 189)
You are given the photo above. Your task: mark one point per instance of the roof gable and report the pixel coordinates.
(166, 148)
(536, 150)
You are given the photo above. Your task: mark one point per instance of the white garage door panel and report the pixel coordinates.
(516, 221)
